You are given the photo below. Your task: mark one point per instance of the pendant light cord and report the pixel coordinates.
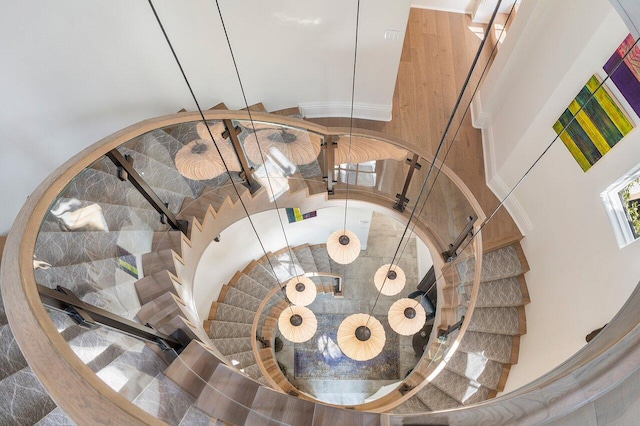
(353, 93)
(204, 121)
(275, 203)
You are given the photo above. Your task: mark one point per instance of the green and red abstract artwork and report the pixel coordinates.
(598, 125)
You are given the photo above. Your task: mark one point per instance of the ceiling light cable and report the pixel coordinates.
(537, 160)
(244, 97)
(204, 121)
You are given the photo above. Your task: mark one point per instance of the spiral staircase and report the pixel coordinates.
(133, 265)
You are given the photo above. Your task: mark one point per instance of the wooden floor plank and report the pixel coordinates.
(437, 53)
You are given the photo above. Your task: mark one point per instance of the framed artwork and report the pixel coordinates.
(625, 73)
(599, 124)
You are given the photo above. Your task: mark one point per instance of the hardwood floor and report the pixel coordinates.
(437, 53)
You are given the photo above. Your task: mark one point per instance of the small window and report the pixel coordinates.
(622, 201)
(362, 174)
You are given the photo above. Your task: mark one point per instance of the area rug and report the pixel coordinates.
(321, 356)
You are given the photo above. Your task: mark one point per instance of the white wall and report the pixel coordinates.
(579, 277)
(238, 245)
(73, 72)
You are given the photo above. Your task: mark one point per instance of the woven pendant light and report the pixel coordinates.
(389, 279)
(361, 337)
(406, 317)
(297, 324)
(301, 290)
(199, 159)
(343, 246)
(360, 149)
(298, 146)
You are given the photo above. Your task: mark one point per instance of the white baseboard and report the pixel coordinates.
(454, 6)
(343, 109)
(512, 204)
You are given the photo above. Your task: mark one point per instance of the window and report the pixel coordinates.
(622, 202)
(363, 174)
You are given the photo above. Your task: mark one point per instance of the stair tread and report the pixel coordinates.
(232, 345)
(56, 417)
(160, 175)
(225, 312)
(132, 371)
(158, 261)
(501, 263)
(249, 286)
(495, 320)
(163, 147)
(68, 248)
(243, 359)
(103, 175)
(152, 286)
(229, 396)
(11, 359)
(501, 292)
(435, 399)
(475, 366)
(77, 215)
(322, 260)
(496, 347)
(222, 329)
(165, 400)
(411, 405)
(27, 399)
(460, 388)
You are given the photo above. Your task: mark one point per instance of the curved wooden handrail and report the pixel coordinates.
(72, 385)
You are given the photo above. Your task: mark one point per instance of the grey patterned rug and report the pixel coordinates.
(321, 357)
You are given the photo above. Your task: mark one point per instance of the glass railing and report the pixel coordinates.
(93, 238)
(107, 243)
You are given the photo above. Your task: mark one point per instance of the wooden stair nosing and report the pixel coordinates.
(257, 107)
(221, 106)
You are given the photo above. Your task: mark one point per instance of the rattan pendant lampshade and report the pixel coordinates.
(298, 146)
(297, 324)
(394, 282)
(343, 246)
(199, 159)
(406, 316)
(361, 337)
(301, 290)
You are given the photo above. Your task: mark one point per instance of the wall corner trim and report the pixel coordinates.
(375, 112)
(512, 204)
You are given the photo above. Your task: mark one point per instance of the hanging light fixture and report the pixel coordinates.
(389, 279)
(199, 159)
(343, 246)
(297, 324)
(361, 337)
(298, 146)
(406, 317)
(301, 290)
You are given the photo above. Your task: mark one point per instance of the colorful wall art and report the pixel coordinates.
(295, 215)
(625, 73)
(599, 124)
